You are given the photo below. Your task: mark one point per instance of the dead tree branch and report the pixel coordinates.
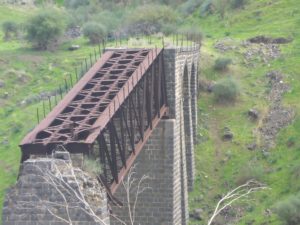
(129, 186)
(236, 194)
(56, 179)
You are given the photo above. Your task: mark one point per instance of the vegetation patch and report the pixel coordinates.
(44, 29)
(288, 210)
(226, 90)
(227, 27)
(222, 64)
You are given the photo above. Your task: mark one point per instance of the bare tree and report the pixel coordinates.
(133, 187)
(234, 195)
(65, 189)
(63, 181)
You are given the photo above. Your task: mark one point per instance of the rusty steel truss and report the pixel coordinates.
(109, 114)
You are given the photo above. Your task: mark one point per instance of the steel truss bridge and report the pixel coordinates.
(109, 114)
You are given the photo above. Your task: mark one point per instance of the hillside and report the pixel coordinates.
(221, 166)
(27, 75)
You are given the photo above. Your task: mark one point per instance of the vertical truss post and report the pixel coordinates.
(117, 140)
(131, 125)
(102, 155)
(113, 153)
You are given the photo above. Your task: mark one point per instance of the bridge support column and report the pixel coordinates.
(168, 156)
(181, 75)
(165, 193)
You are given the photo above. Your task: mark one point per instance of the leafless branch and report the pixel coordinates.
(128, 185)
(57, 180)
(236, 194)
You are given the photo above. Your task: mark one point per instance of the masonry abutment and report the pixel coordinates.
(168, 156)
(188, 126)
(194, 95)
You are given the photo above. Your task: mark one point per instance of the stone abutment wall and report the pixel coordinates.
(50, 191)
(167, 159)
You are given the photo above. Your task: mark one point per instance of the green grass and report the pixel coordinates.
(218, 164)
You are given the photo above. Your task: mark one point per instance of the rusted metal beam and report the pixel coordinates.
(30, 138)
(139, 146)
(110, 113)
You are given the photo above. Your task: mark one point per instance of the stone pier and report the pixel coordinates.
(167, 159)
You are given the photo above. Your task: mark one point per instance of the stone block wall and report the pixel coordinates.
(181, 66)
(168, 156)
(160, 203)
(51, 191)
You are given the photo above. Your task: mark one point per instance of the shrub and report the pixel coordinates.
(222, 64)
(109, 19)
(95, 32)
(75, 3)
(221, 7)
(207, 7)
(149, 19)
(294, 178)
(15, 128)
(238, 3)
(250, 172)
(226, 90)
(189, 6)
(9, 28)
(168, 29)
(291, 141)
(92, 166)
(44, 29)
(192, 33)
(288, 210)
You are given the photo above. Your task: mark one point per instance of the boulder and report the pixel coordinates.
(282, 40)
(252, 146)
(5, 95)
(73, 32)
(253, 114)
(197, 214)
(227, 134)
(260, 39)
(74, 47)
(206, 85)
(269, 40)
